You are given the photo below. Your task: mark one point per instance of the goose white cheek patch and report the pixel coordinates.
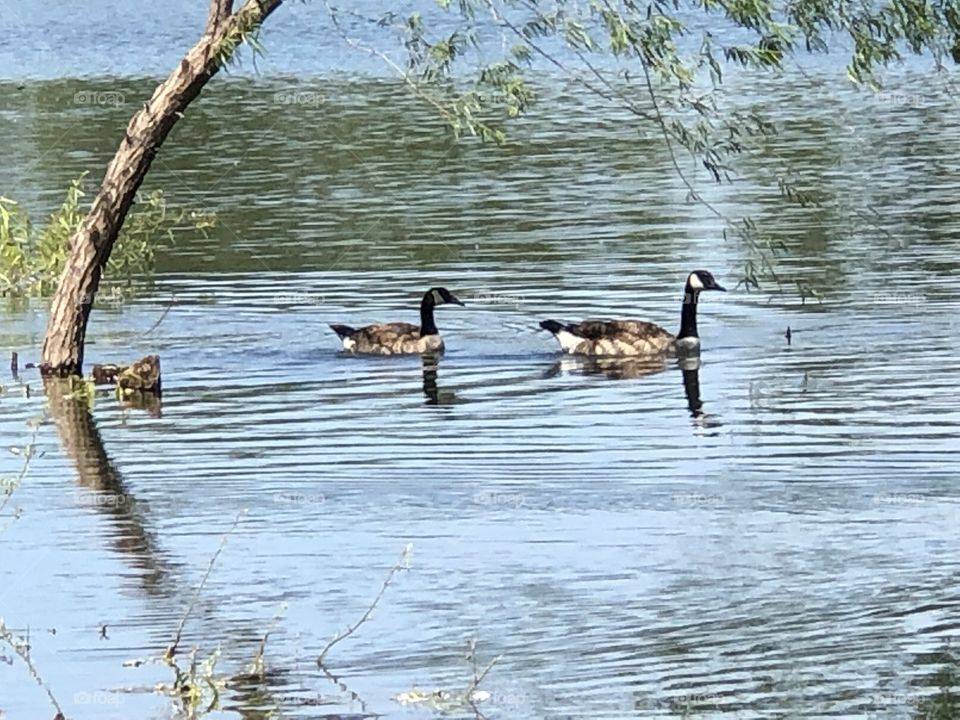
(694, 282)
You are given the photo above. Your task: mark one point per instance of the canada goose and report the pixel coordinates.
(637, 337)
(400, 338)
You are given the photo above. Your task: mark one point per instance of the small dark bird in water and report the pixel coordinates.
(788, 335)
(400, 338)
(613, 338)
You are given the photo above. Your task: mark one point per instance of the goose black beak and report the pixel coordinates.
(721, 288)
(456, 300)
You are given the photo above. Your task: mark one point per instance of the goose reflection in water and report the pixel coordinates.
(617, 368)
(690, 367)
(434, 394)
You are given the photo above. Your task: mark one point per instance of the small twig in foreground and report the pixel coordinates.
(172, 649)
(402, 564)
(446, 701)
(28, 452)
(257, 667)
(478, 678)
(22, 650)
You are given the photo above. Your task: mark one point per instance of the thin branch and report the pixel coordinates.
(401, 73)
(468, 694)
(477, 679)
(163, 315)
(257, 667)
(667, 139)
(612, 95)
(29, 451)
(631, 106)
(401, 564)
(22, 650)
(694, 194)
(172, 649)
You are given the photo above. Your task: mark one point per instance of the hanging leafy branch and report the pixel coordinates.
(663, 61)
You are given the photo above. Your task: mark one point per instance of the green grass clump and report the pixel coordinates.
(32, 259)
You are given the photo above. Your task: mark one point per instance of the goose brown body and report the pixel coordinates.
(616, 337)
(634, 338)
(392, 339)
(400, 338)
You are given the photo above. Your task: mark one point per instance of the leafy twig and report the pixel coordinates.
(28, 452)
(401, 73)
(402, 564)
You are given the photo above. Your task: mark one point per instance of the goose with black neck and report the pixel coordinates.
(622, 338)
(400, 338)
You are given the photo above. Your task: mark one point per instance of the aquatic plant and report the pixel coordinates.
(451, 701)
(197, 687)
(9, 484)
(32, 259)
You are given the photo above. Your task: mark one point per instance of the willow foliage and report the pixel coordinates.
(664, 61)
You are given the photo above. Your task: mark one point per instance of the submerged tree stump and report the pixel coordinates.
(106, 374)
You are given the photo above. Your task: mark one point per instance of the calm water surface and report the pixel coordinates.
(771, 535)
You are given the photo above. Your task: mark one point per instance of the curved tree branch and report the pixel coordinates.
(90, 247)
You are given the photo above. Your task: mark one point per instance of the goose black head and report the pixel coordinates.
(441, 296)
(702, 280)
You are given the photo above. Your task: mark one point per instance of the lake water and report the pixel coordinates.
(770, 535)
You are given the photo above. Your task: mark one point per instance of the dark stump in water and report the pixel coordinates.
(142, 376)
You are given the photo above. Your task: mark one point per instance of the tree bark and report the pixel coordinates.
(90, 247)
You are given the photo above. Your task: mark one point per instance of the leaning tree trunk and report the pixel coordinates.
(91, 245)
